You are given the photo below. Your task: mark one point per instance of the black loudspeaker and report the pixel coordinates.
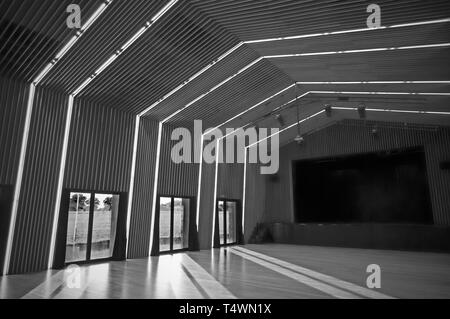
(445, 165)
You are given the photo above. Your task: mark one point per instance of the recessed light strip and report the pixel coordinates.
(155, 186)
(199, 186)
(244, 191)
(216, 174)
(378, 93)
(313, 35)
(373, 82)
(391, 111)
(131, 189)
(413, 47)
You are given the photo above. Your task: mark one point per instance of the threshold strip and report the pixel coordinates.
(318, 285)
(212, 287)
(365, 292)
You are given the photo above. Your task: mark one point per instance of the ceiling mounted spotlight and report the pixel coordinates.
(328, 109)
(280, 119)
(299, 139)
(362, 111)
(375, 131)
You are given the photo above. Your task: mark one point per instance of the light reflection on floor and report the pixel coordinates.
(255, 271)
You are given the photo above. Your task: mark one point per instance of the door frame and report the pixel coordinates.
(238, 228)
(119, 249)
(191, 234)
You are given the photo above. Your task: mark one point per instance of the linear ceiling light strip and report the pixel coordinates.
(412, 47)
(373, 82)
(103, 67)
(391, 110)
(313, 35)
(36, 81)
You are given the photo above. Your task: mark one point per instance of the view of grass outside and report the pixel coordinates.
(78, 227)
(181, 209)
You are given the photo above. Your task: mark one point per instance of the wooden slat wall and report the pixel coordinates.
(100, 148)
(255, 203)
(40, 177)
(141, 211)
(13, 107)
(230, 181)
(206, 206)
(175, 179)
(99, 158)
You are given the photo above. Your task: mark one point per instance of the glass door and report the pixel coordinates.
(91, 226)
(227, 218)
(165, 222)
(173, 224)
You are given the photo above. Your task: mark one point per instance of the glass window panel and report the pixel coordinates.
(231, 223)
(106, 208)
(164, 223)
(180, 223)
(77, 227)
(220, 207)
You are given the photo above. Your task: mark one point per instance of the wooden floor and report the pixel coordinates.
(251, 271)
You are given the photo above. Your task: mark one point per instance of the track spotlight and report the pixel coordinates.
(362, 111)
(280, 119)
(299, 139)
(328, 109)
(375, 131)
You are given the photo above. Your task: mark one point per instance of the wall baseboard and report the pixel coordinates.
(368, 236)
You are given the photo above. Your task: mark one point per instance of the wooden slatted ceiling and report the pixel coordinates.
(315, 103)
(374, 38)
(32, 32)
(174, 49)
(259, 82)
(194, 33)
(120, 22)
(428, 103)
(261, 19)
